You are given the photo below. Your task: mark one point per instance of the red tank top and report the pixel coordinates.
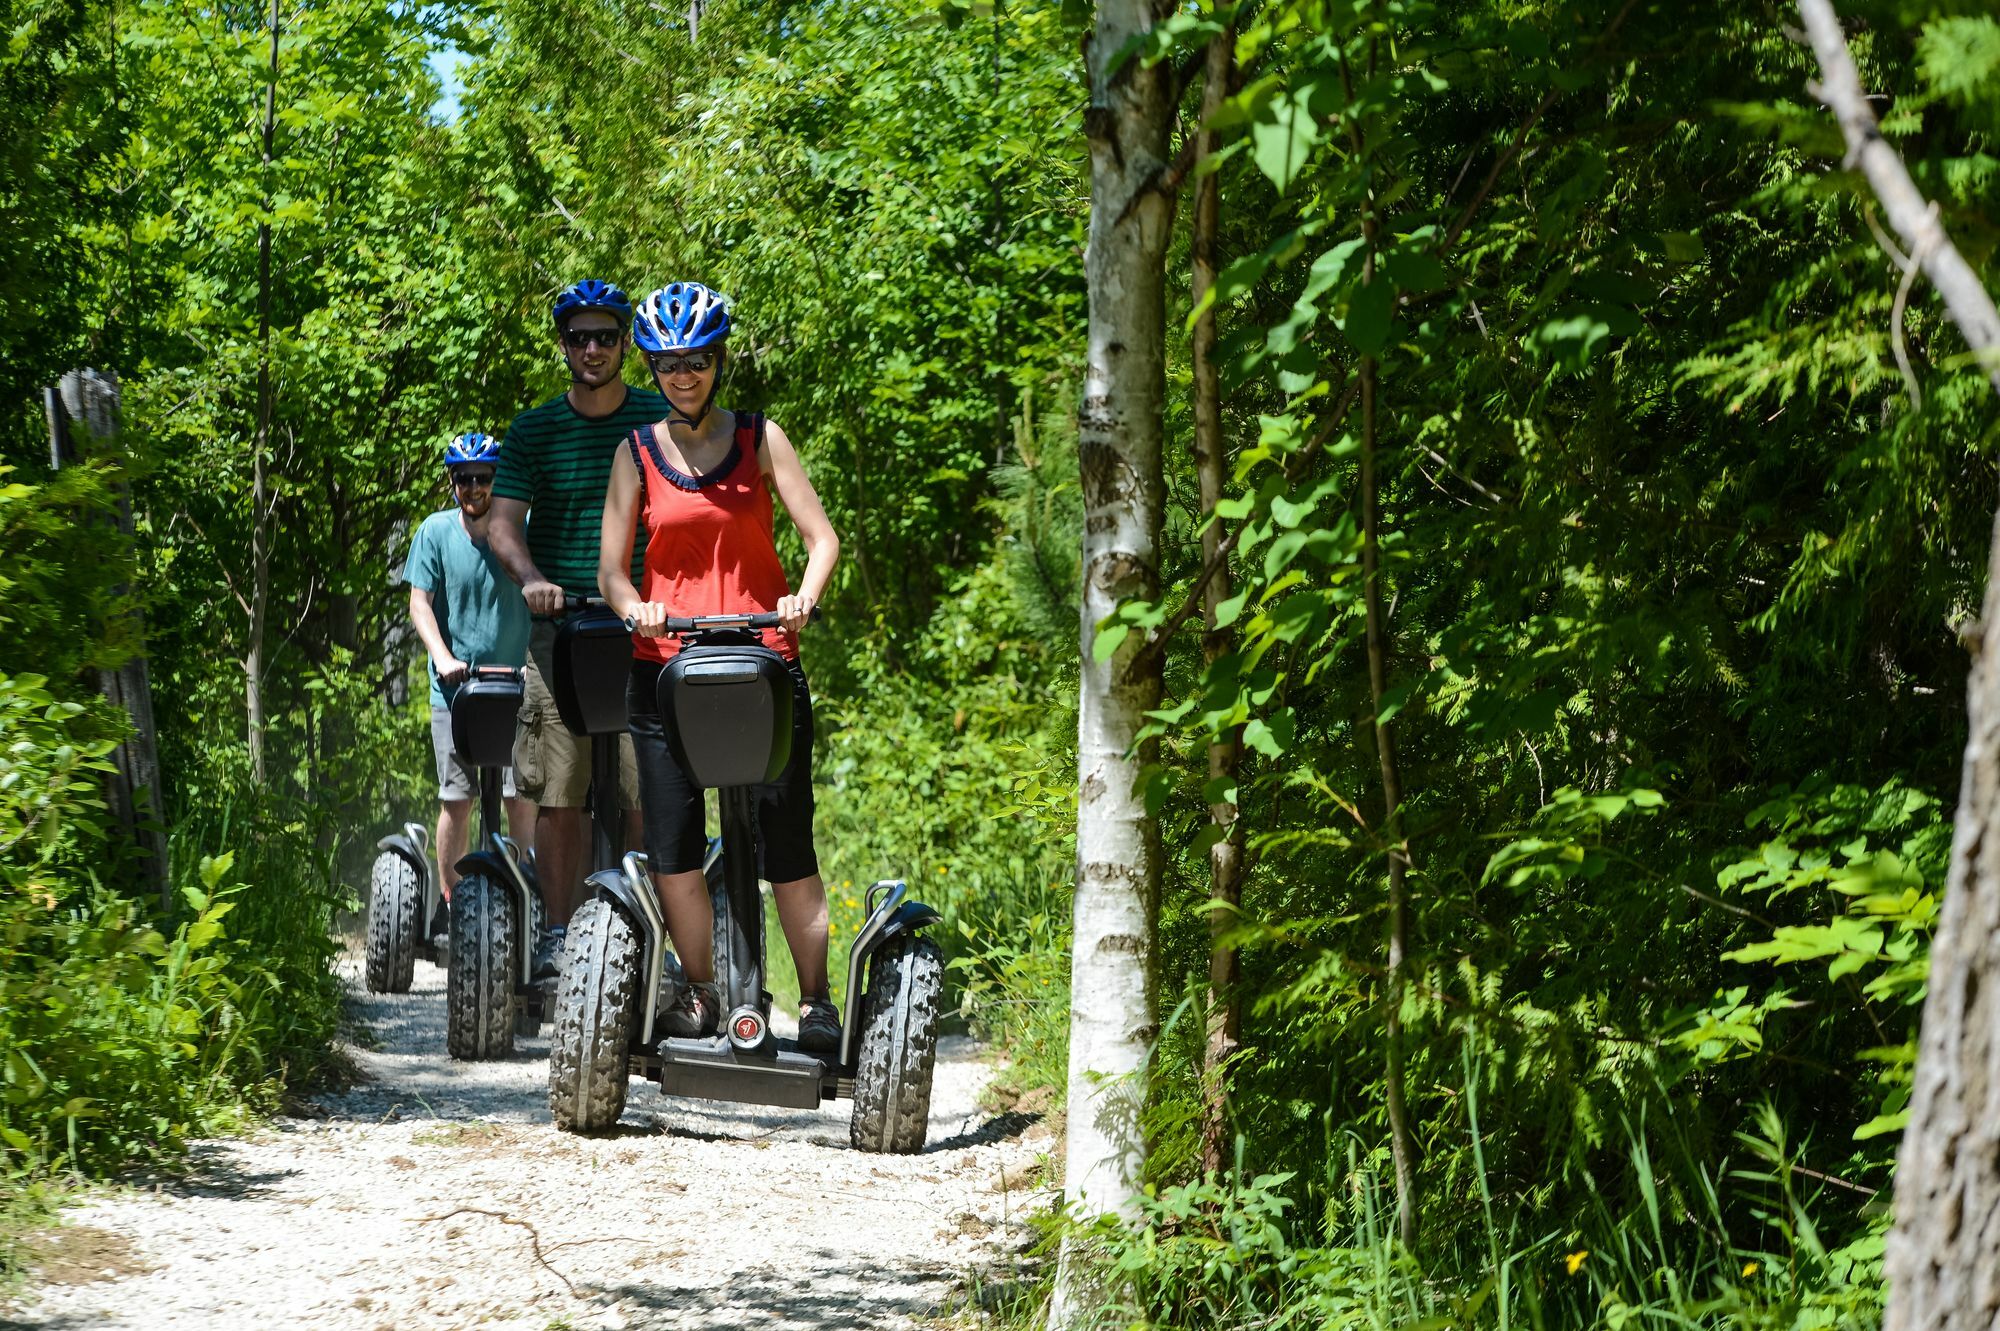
(709, 546)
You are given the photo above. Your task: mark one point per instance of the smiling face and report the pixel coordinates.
(687, 378)
(472, 487)
(593, 343)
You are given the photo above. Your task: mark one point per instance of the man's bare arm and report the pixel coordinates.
(507, 533)
(424, 616)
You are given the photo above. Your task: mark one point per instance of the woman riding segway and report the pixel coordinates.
(701, 483)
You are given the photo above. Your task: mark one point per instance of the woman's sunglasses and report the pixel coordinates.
(579, 338)
(697, 362)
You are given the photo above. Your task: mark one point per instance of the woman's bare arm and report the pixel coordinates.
(781, 463)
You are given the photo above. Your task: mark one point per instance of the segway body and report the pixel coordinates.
(496, 908)
(727, 703)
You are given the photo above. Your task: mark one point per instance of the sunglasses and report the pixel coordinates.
(579, 338)
(466, 480)
(698, 362)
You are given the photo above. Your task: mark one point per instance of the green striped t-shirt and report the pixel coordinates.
(559, 463)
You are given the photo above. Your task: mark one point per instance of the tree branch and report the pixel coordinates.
(1913, 217)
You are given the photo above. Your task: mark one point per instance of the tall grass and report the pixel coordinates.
(1702, 1245)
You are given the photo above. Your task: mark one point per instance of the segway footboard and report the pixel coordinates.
(748, 1066)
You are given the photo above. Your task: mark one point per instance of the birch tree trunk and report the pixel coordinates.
(1225, 857)
(1943, 1262)
(1119, 427)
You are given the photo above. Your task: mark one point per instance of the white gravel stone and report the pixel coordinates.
(409, 1206)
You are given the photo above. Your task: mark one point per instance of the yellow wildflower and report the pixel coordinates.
(1575, 1260)
(1749, 1269)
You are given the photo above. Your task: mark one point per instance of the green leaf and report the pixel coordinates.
(1368, 315)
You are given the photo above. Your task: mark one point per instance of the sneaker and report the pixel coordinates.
(693, 1012)
(819, 1026)
(549, 953)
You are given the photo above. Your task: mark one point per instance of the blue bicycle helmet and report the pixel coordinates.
(472, 447)
(591, 294)
(681, 316)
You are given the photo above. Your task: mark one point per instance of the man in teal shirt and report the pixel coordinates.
(468, 613)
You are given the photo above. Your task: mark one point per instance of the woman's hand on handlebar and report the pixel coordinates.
(648, 619)
(794, 611)
(543, 598)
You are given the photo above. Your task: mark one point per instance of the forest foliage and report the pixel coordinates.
(1678, 538)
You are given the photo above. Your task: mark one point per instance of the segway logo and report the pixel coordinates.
(748, 1027)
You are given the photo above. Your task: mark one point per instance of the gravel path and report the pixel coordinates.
(410, 1205)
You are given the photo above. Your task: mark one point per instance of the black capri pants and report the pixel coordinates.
(676, 838)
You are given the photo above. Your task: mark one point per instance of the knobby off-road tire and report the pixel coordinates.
(899, 1019)
(597, 1006)
(395, 918)
(479, 991)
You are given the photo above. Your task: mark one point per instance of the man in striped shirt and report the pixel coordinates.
(557, 462)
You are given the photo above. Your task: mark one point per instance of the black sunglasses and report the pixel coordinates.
(699, 362)
(465, 480)
(579, 338)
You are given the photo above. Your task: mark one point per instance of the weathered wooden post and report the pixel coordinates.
(89, 398)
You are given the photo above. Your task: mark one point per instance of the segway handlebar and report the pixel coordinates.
(767, 619)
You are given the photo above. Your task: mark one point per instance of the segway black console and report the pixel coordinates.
(496, 909)
(727, 701)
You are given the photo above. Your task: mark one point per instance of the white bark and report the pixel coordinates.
(1965, 296)
(1119, 427)
(1943, 1263)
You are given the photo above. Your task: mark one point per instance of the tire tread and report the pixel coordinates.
(898, 1057)
(597, 1003)
(479, 989)
(395, 907)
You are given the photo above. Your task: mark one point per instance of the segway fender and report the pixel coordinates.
(612, 886)
(907, 918)
(400, 845)
(631, 891)
(890, 915)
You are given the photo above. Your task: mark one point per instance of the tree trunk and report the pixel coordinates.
(1225, 857)
(260, 535)
(1119, 428)
(1402, 1140)
(1943, 1263)
(1402, 1136)
(92, 399)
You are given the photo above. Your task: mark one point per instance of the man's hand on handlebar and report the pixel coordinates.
(543, 597)
(451, 670)
(794, 611)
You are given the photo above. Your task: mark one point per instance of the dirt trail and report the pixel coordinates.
(692, 1215)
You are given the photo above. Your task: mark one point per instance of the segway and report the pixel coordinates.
(496, 909)
(727, 700)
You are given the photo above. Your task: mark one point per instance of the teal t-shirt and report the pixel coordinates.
(478, 607)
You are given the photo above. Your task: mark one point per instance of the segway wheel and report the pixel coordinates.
(597, 1008)
(899, 1019)
(479, 992)
(395, 917)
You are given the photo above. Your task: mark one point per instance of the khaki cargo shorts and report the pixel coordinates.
(552, 766)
